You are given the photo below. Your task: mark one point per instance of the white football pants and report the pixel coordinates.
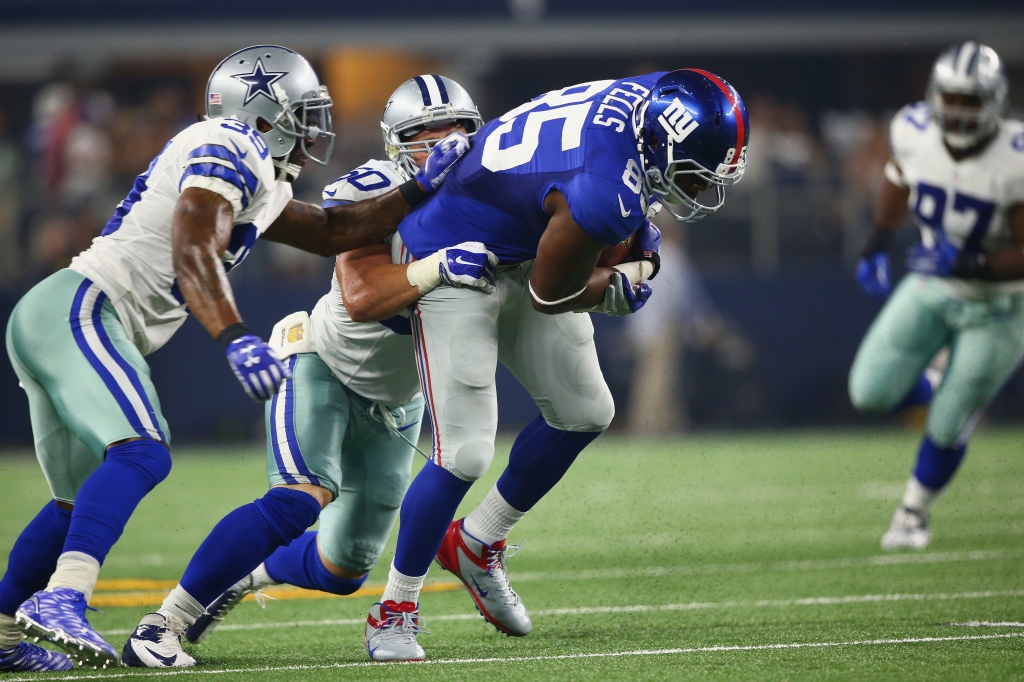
(461, 334)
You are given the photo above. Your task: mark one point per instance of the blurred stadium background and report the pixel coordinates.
(755, 320)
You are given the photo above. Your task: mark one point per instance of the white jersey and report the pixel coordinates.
(131, 260)
(374, 359)
(967, 200)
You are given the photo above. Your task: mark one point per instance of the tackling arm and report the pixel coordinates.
(565, 276)
(372, 287)
(201, 230)
(330, 231)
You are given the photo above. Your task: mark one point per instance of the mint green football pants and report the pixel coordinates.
(87, 384)
(320, 432)
(985, 339)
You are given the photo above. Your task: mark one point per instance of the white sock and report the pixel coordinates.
(261, 579)
(493, 519)
(918, 497)
(76, 570)
(10, 635)
(402, 587)
(181, 604)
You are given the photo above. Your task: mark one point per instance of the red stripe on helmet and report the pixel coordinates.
(728, 92)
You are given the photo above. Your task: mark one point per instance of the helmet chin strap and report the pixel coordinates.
(286, 172)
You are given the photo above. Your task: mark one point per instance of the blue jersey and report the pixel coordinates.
(577, 140)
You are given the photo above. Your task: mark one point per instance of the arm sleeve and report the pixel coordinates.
(224, 163)
(598, 206)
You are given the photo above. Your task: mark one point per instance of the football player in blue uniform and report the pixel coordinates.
(547, 188)
(77, 339)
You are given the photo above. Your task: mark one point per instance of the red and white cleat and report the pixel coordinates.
(391, 631)
(481, 568)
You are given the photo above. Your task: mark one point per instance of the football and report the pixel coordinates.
(616, 253)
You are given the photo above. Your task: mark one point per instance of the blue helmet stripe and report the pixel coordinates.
(972, 65)
(424, 93)
(441, 88)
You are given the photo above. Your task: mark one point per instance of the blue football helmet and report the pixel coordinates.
(692, 123)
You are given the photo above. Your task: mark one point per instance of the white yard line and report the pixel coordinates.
(556, 657)
(768, 567)
(641, 608)
(988, 624)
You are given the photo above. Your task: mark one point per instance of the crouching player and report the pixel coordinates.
(960, 168)
(340, 432)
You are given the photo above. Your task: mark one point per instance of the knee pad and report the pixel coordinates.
(149, 458)
(472, 460)
(288, 512)
(602, 411)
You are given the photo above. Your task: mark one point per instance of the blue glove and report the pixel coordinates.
(256, 366)
(636, 296)
(443, 156)
(937, 261)
(468, 264)
(646, 246)
(874, 275)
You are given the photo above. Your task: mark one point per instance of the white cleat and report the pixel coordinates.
(481, 568)
(908, 530)
(156, 643)
(391, 631)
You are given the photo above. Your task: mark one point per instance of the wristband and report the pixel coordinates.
(878, 242)
(232, 332)
(972, 266)
(425, 274)
(412, 192)
(636, 271)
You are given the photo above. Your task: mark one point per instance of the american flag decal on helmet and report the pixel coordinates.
(215, 98)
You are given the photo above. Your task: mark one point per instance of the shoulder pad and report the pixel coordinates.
(371, 179)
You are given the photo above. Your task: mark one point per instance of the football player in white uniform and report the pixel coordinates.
(343, 426)
(959, 167)
(78, 338)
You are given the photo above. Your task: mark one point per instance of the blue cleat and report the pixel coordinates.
(30, 658)
(58, 616)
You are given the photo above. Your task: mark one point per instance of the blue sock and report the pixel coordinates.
(109, 496)
(245, 538)
(935, 465)
(427, 511)
(34, 557)
(299, 564)
(921, 394)
(540, 457)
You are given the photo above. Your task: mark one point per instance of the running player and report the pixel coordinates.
(342, 428)
(547, 187)
(78, 338)
(960, 168)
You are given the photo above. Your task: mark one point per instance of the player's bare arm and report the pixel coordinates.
(200, 232)
(330, 231)
(567, 263)
(373, 287)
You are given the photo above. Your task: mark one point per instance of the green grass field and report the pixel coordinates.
(715, 557)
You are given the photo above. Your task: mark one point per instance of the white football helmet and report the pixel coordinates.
(974, 70)
(279, 86)
(427, 101)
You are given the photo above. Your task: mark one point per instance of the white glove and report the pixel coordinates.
(468, 265)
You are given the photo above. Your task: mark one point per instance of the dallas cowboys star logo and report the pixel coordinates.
(259, 82)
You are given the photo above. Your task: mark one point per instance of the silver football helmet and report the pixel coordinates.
(421, 103)
(279, 86)
(973, 70)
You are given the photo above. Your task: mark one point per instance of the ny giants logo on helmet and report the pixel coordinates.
(677, 122)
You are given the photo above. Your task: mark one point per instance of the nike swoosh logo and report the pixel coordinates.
(458, 259)
(241, 154)
(483, 595)
(166, 660)
(622, 208)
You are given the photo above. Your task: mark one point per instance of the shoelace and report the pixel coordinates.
(402, 626)
(496, 568)
(259, 595)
